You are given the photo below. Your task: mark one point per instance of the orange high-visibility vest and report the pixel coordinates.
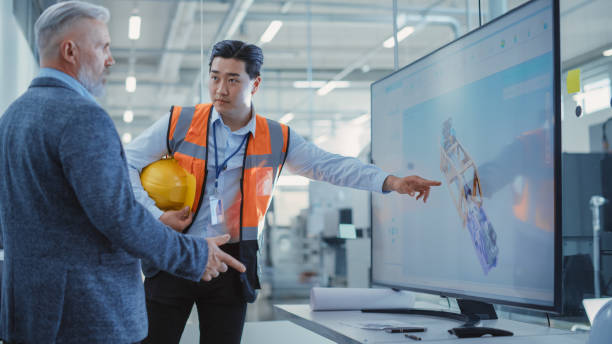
(263, 161)
(531, 203)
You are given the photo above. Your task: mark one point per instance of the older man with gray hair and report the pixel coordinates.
(71, 227)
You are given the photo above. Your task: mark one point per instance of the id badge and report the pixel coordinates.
(216, 210)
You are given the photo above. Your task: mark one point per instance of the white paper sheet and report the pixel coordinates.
(379, 324)
(338, 299)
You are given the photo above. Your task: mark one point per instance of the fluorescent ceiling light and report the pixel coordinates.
(134, 30)
(401, 35)
(328, 87)
(241, 12)
(361, 119)
(607, 52)
(130, 84)
(128, 116)
(287, 118)
(126, 138)
(319, 84)
(271, 31)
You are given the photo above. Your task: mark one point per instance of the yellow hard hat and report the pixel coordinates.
(169, 184)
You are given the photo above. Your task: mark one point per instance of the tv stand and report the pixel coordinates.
(471, 314)
(464, 318)
(483, 310)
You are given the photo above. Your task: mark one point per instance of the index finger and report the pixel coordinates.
(231, 261)
(431, 182)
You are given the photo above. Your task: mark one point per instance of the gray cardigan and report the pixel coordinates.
(71, 227)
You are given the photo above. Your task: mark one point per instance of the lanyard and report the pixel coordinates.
(223, 166)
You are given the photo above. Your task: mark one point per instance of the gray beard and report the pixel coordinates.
(95, 87)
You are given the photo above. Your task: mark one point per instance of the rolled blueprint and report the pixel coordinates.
(345, 299)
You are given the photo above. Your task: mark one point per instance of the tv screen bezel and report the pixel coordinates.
(557, 298)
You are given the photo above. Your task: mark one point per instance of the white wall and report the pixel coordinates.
(17, 63)
(575, 136)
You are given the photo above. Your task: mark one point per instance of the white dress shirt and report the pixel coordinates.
(303, 158)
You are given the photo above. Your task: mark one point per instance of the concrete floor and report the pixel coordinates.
(259, 311)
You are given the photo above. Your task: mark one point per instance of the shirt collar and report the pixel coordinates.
(249, 127)
(67, 79)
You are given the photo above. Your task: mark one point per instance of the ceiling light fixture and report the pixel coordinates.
(607, 52)
(271, 31)
(287, 118)
(328, 87)
(401, 35)
(126, 138)
(128, 116)
(134, 27)
(130, 84)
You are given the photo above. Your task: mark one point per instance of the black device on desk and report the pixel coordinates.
(473, 331)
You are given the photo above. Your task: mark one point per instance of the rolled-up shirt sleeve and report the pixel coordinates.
(147, 148)
(306, 159)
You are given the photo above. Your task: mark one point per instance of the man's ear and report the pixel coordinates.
(256, 83)
(69, 51)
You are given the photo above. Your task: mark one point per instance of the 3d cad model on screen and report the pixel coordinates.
(457, 166)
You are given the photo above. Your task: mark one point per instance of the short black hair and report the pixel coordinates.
(250, 54)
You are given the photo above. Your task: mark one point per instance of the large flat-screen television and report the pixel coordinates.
(482, 115)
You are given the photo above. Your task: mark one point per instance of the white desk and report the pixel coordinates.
(333, 325)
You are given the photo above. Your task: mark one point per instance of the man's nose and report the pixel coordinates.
(222, 88)
(109, 61)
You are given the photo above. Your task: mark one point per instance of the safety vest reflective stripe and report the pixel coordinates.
(264, 160)
(191, 149)
(186, 145)
(249, 233)
(180, 124)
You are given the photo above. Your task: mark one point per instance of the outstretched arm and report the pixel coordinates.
(308, 160)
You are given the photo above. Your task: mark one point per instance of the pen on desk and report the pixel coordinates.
(411, 336)
(402, 329)
(393, 330)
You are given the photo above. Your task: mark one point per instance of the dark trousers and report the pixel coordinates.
(220, 304)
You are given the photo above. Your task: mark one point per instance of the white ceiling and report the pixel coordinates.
(345, 38)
